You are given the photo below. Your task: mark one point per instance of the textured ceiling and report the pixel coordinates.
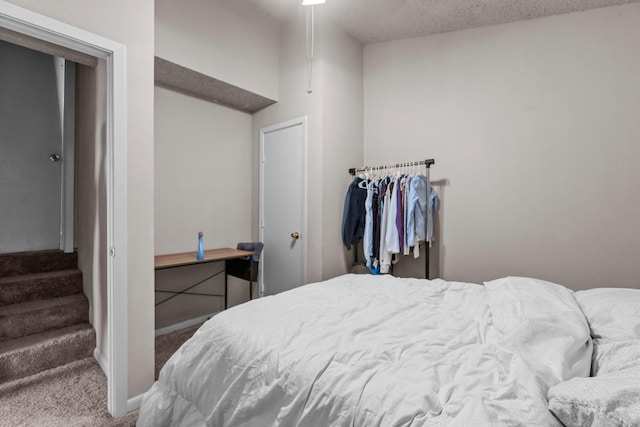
(372, 21)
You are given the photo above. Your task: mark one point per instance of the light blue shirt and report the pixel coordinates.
(417, 210)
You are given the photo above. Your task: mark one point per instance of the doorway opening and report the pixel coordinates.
(56, 34)
(37, 127)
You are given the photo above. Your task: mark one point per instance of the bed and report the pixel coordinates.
(362, 350)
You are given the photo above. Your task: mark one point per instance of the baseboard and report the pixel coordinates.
(102, 362)
(134, 402)
(184, 324)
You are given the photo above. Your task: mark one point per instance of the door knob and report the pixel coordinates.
(295, 235)
(54, 157)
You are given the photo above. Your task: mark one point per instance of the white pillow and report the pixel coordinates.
(611, 397)
(607, 400)
(514, 299)
(613, 356)
(614, 319)
(542, 322)
(612, 313)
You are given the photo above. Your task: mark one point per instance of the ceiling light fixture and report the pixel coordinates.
(312, 2)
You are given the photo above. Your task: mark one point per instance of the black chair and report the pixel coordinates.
(245, 268)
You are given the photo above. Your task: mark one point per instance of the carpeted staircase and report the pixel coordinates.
(43, 313)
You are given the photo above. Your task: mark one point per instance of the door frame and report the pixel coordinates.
(269, 129)
(67, 181)
(59, 33)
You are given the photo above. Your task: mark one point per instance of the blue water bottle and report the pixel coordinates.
(200, 248)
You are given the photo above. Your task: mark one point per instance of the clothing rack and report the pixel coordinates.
(427, 163)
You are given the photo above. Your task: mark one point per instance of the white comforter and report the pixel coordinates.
(363, 350)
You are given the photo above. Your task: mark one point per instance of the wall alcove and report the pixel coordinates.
(186, 80)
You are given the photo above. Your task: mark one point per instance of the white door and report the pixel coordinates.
(282, 202)
(31, 150)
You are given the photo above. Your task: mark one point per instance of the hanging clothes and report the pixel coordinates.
(377, 221)
(417, 215)
(405, 206)
(400, 213)
(369, 204)
(392, 215)
(391, 236)
(385, 255)
(353, 215)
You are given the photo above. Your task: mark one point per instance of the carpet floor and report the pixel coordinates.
(73, 395)
(167, 344)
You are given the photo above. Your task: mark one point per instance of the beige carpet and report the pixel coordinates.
(167, 344)
(73, 395)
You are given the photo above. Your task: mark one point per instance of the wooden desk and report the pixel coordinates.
(187, 258)
(190, 258)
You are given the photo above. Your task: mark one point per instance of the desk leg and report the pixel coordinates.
(226, 290)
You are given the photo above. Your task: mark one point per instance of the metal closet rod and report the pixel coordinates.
(427, 163)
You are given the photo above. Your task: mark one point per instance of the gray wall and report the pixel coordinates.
(534, 128)
(203, 164)
(203, 169)
(233, 41)
(334, 132)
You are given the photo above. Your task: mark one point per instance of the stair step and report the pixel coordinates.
(18, 320)
(32, 287)
(29, 355)
(16, 264)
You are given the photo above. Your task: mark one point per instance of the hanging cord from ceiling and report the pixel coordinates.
(310, 35)
(310, 44)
